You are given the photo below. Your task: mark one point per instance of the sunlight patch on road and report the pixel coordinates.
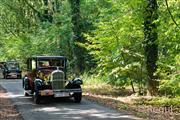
(108, 115)
(48, 109)
(11, 95)
(94, 113)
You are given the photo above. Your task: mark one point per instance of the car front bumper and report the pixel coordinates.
(59, 92)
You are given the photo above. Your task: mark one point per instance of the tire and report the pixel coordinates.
(19, 77)
(37, 98)
(5, 77)
(77, 97)
(23, 83)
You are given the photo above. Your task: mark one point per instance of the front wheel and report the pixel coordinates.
(19, 77)
(77, 97)
(5, 76)
(37, 98)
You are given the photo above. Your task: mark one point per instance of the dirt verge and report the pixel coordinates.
(142, 111)
(7, 110)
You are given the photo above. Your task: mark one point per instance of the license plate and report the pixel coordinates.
(13, 74)
(61, 94)
(46, 92)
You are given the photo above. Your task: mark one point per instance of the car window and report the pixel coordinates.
(33, 64)
(51, 63)
(12, 65)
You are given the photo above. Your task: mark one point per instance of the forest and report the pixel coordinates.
(124, 43)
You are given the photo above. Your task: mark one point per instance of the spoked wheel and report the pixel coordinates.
(77, 97)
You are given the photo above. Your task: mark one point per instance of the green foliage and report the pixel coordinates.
(115, 40)
(171, 87)
(99, 85)
(112, 34)
(169, 50)
(25, 35)
(163, 101)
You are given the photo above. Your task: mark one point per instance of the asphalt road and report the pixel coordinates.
(61, 109)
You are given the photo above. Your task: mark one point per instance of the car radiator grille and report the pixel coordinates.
(57, 79)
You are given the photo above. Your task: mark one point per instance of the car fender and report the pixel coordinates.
(38, 84)
(77, 81)
(74, 83)
(26, 85)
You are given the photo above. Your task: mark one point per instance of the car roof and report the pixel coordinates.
(47, 57)
(11, 62)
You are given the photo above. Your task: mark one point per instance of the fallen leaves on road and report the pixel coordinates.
(7, 109)
(143, 111)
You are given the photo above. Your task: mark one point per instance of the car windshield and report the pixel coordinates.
(12, 65)
(51, 63)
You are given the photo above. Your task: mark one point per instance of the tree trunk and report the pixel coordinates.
(151, 45)
(132, 85)
(78, 53)
(46, 15)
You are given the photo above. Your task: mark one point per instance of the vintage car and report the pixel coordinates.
(46, 78)
(11, 69)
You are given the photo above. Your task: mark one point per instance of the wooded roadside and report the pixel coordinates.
(143, 111)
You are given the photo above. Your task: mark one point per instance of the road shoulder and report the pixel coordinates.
(8, 111)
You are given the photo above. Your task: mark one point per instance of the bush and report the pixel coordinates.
(164, 101)
(171, 87)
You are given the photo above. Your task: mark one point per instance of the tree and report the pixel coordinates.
(151, 45)
(30, 22)
(78, 53)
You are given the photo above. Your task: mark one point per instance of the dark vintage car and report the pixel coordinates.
(46, 78)
(11, 70)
